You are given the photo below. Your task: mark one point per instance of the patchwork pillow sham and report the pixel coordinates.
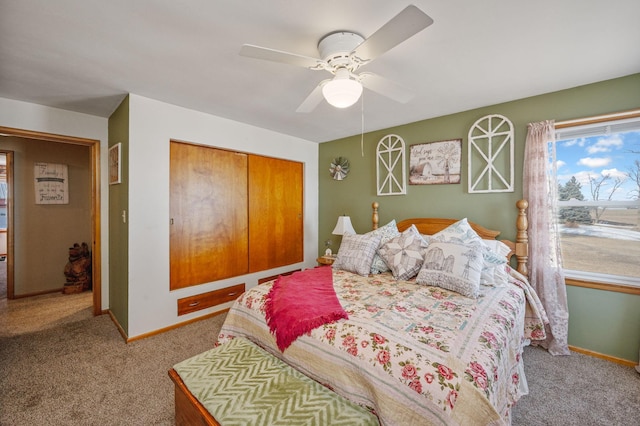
(404, 254)
(356, 253)
(455, 267)
(386, 233)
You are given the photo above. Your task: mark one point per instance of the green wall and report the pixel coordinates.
(354, 195)
(119, 230)
(604, 321)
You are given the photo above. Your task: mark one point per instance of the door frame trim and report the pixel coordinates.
(96, 252)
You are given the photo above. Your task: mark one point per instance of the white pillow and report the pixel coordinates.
(356, 253)
(404, 253)
(452, 266)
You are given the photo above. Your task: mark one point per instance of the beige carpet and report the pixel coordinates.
(31, 314)
(82, 373)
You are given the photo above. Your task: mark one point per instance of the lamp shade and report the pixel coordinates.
(343, 226)
(342, 91)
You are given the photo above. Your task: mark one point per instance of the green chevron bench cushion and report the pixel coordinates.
(241, 384)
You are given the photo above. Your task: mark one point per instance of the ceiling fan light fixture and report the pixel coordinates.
(342, 91)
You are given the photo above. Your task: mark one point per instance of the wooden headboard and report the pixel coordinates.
(430, 226)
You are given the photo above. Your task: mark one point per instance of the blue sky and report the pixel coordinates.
(598, 156)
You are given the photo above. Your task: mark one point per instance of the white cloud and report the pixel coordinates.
(560, 164)
(606, 144)
(594, 162)
(614, 173)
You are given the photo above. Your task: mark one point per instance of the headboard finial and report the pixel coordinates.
(374, 217)
(522, 237)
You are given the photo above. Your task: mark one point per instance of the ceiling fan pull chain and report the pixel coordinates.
(362, 123)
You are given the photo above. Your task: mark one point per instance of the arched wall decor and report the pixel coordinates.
(490, 155)
(391, 167)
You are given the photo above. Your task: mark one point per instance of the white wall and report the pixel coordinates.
(152, 125)
(27, 116)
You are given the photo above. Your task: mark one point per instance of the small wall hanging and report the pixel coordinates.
(391, 169)
(490, 162)
(115, 168)
(435, 162)
(339, 168)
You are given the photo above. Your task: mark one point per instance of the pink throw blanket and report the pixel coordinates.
(300, 302)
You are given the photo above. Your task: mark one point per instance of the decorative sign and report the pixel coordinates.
(52, 184)
(435, 162)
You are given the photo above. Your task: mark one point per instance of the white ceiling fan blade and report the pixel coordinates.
(257, 52)
(314, 98)
(386, 87)
(401, 27)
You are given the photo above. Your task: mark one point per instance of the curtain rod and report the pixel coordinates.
(598, 119)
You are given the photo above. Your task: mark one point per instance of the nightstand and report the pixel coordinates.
(325, 260)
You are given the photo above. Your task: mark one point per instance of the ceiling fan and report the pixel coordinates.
(343, 53)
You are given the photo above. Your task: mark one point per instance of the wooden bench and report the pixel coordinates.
(239, 383)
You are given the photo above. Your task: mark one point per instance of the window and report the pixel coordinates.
(597, 176)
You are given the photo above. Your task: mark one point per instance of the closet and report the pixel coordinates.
(232, 213)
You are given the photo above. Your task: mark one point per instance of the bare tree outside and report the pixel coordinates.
(596, 185)
(634, 175)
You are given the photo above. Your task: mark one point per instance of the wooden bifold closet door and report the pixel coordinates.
(232, 214)
(208, 205)
(275, 213)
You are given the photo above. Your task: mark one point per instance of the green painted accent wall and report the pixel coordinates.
(354, 195)
(604, 321)
(118, 230)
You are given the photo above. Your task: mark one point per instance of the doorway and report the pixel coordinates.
(3, 225)
(94, 161)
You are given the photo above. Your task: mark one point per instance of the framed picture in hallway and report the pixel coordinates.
(114, 164)
(51, 183)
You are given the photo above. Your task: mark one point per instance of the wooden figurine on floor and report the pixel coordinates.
(78, 269)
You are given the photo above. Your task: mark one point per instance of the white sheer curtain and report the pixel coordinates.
(545, 261)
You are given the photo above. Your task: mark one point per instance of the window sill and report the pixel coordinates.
(619, 288)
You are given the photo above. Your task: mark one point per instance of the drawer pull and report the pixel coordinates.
(233, 293)
(194, 303)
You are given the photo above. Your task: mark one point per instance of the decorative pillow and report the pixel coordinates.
(498, 247)
(404, 253)
(452, 266)
(495, 275)
(356, 253)
(386, 233)
(462, 233)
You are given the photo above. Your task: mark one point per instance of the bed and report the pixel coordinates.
(411, 351)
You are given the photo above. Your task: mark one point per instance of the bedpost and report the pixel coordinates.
(522, 237)
(374, 217)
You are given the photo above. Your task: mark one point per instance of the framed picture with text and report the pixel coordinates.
(435, 162)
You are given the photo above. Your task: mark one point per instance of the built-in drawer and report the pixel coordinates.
(190, 304)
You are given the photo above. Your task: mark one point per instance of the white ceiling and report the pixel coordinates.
(86, 55)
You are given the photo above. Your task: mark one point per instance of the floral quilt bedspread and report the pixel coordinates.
(413, 354)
